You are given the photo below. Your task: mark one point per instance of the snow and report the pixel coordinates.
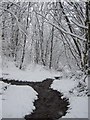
(61, 29)
(0, 89)
(0, 100)
(78, 107)
(32, 73)
(64, 85)
(67, 85)
(17, 101)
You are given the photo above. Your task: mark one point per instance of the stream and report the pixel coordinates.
(49, 105)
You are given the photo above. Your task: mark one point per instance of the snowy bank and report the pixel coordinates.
(17, 101)
(32, 73)
(78, 107)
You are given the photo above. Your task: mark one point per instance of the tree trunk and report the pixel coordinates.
(3, 31)
(89, 48)
(87, 43)
(51, 49)
(23, 55)
(25, 38)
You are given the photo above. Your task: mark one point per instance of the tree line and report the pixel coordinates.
(52, 34)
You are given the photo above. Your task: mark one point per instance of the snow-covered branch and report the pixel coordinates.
(15, 4)
(59, 28)
(18, 23)
(79, 25)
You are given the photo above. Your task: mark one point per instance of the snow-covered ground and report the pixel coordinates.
(32, 73)
(0, 100)
(22, 97)
(17, 101)
(78, 107)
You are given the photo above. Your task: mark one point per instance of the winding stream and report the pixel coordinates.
(49, 105)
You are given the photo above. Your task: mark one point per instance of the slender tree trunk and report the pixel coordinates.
(46, 53)
(42, 49)
(25, 38)
(16, 41)
(37, 52)
(86, 42)
(89, 48)
(89, 38)
(86, 58)
(23, 55)
(52, 38)
(51, 49)
(17, 33)
(3, 30)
